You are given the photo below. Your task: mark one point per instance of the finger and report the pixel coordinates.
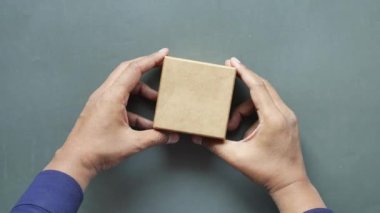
(260, 96)
(117, 72)
(154, 137)
(145, 91)
(113, 76)
(228, 63)
(224, 149)
(243, 110)
(138, 121)
(129, 78)
(278, 100)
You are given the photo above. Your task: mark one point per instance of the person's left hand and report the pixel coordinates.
(102, 135)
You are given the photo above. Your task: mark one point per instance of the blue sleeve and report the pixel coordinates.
(319, 210)
(51, 191)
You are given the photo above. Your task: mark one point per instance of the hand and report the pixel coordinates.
(270, 153)
(102, 135)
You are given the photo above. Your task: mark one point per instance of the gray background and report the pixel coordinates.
(322, 56)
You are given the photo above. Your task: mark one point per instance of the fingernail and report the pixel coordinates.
(235, 60)
(197, 140)
(173, 138)
(163, 50)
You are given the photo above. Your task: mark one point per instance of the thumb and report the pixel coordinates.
(153, 137)
(225, 149)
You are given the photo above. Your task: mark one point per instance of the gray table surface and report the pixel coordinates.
(322, 56)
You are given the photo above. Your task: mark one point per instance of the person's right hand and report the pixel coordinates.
(103, 135)
(270, 153)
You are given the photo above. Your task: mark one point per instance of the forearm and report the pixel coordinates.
(297, 197)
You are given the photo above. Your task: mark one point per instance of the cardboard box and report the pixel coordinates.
(194, 97)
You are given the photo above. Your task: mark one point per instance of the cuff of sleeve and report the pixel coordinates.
(319, 210)
(54, 191)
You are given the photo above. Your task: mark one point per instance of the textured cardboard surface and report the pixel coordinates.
(194, 97)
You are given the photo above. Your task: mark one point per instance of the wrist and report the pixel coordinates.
(298, 196)
(72, 164)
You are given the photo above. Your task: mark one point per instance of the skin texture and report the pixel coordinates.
(103, 136)
(270, 153)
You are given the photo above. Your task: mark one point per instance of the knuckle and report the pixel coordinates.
(135, 66)
(138, 88)
(143, 143)
(277, 122)
(259, 83)
(132, 120)
(124, 64)
(293, 118)
(265, 81)
(139, 146)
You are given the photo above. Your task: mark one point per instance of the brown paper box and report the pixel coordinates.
(194, 97)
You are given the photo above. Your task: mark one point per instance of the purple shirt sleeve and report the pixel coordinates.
(54, 191)
(51, 191)
(319, 210)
